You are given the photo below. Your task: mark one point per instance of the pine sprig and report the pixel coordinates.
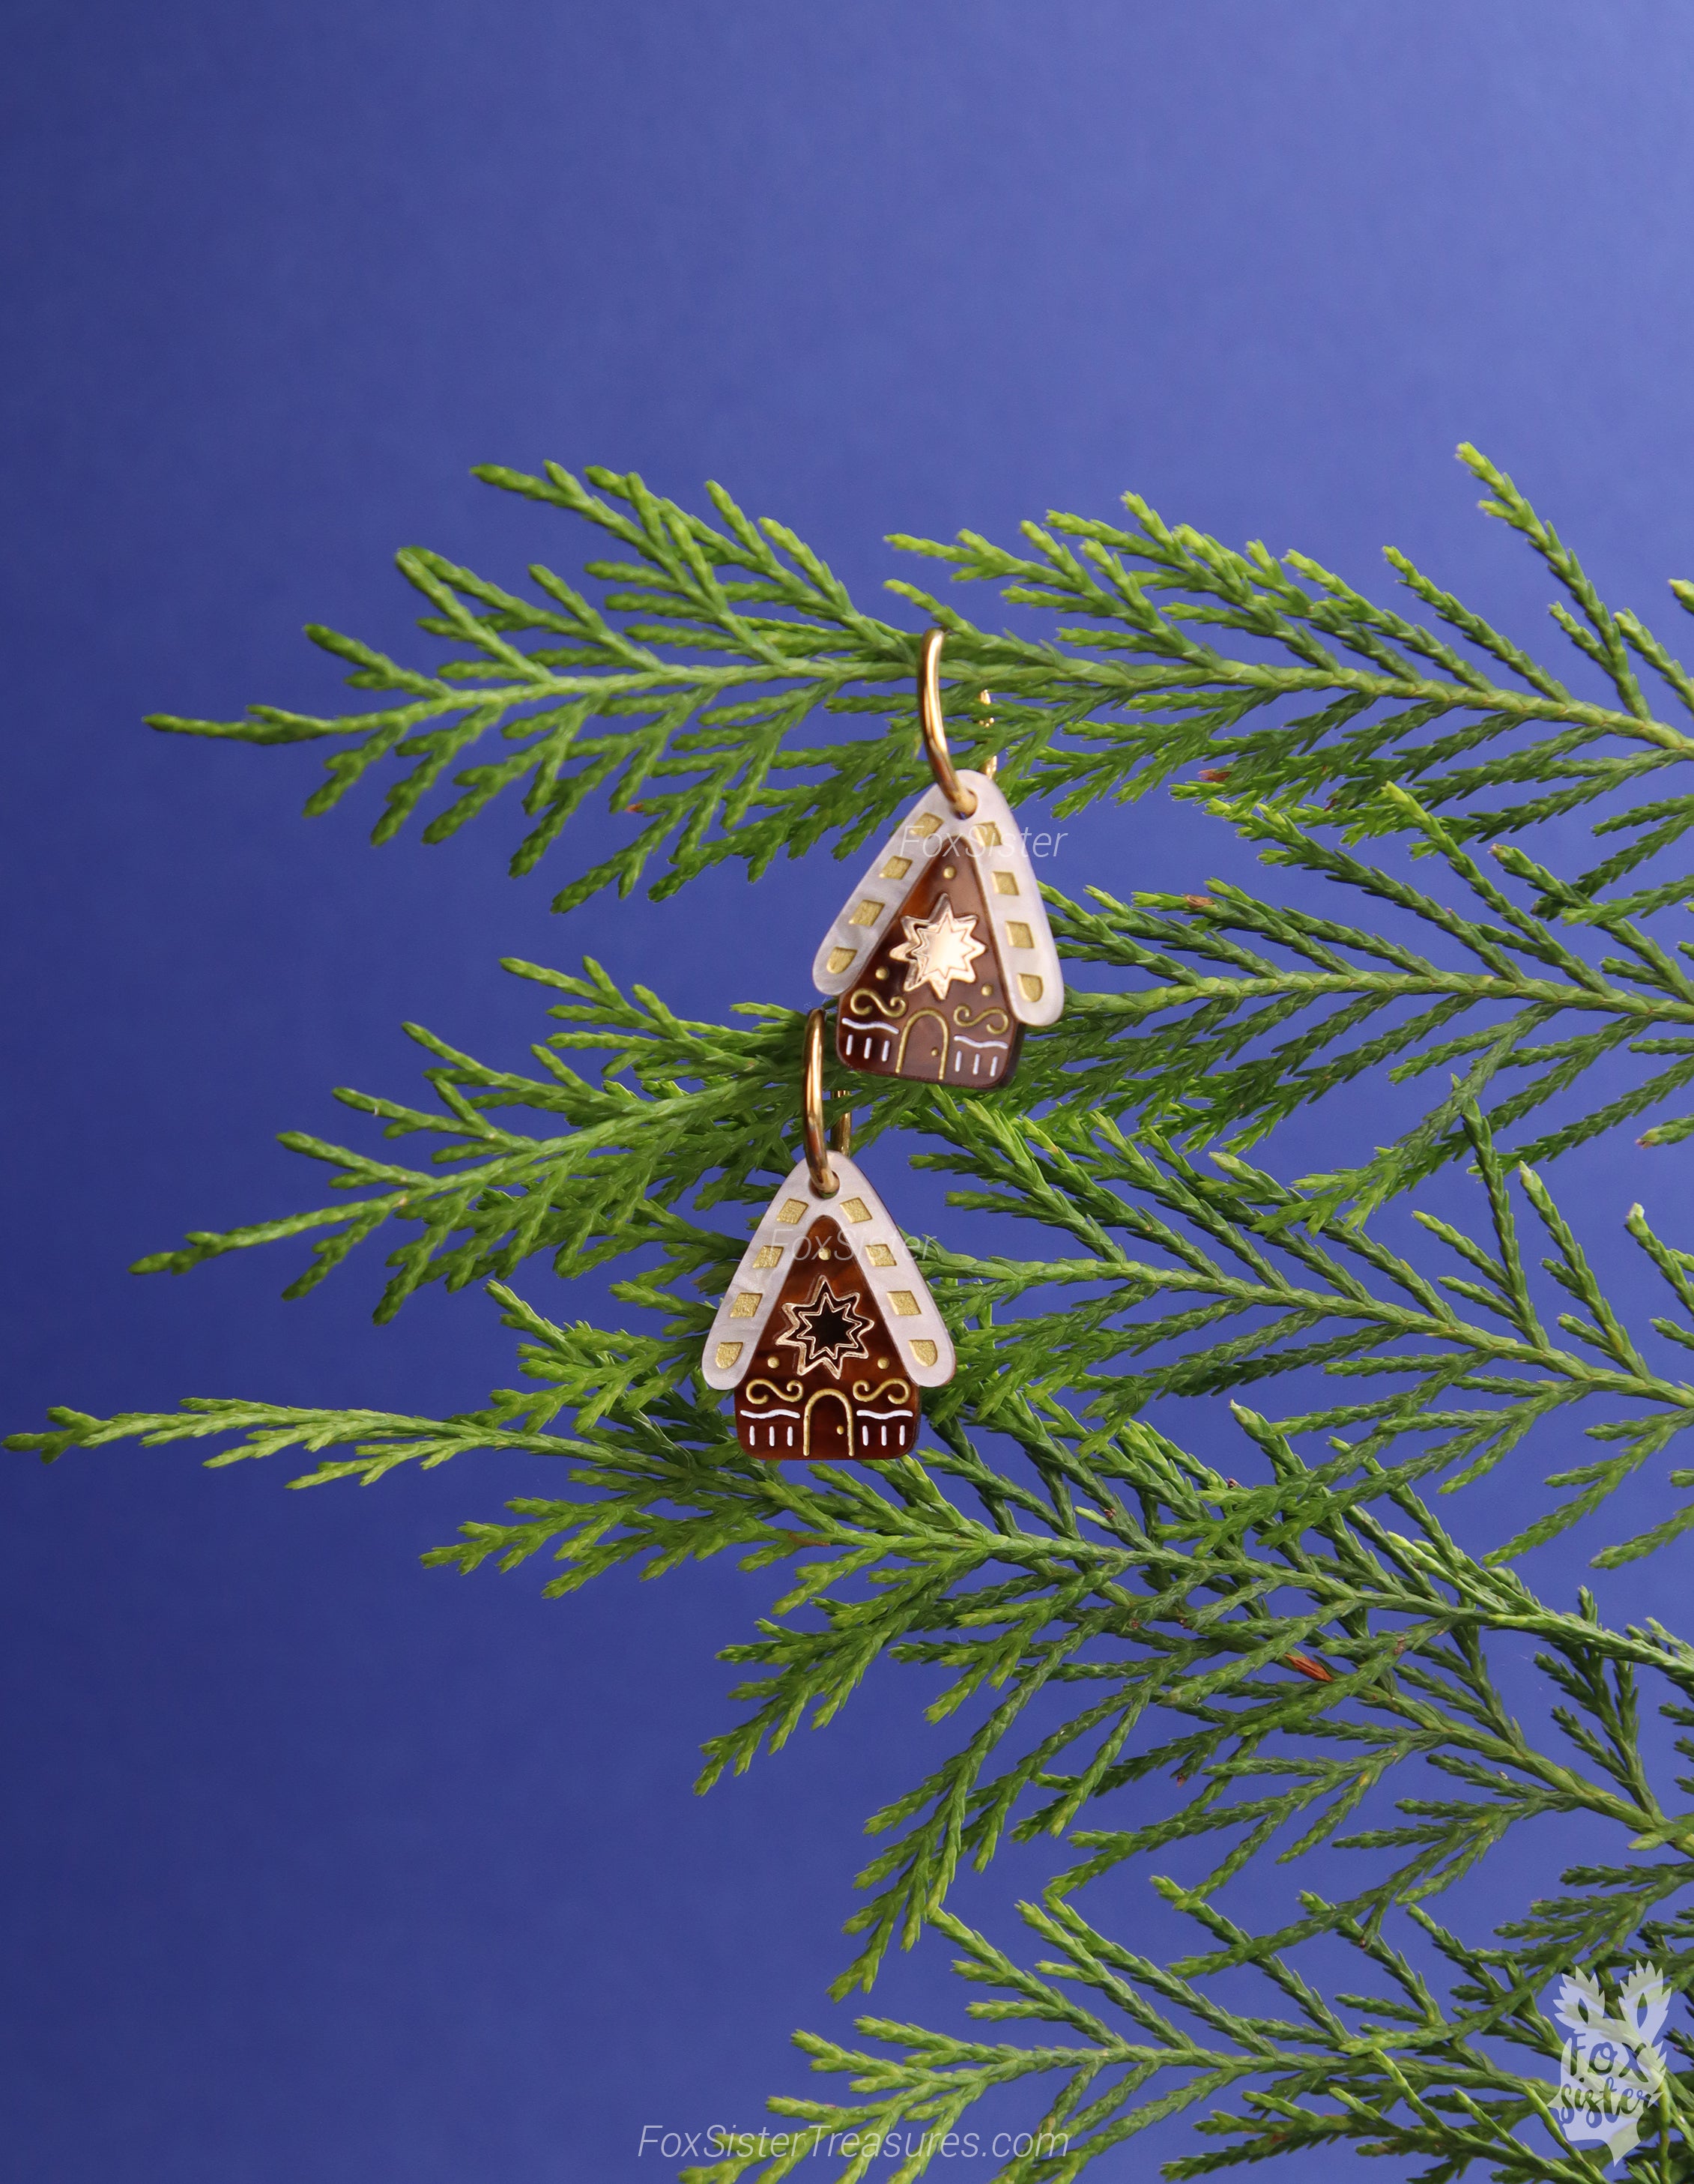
(1244, 1282)
(1123, 2043)
(1255, 1010)
(1187, 1583)
(715, 642)
(681, 1110)
(1234, 1247)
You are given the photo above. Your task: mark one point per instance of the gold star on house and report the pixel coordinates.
(938, 949)
(826, 1331)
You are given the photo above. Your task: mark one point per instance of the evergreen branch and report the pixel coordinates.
(1345, 1304)
(1180, 1596)
(1240, 1285)
(714, 643)
(1194, 1056)
(1415, 2080)
(1229, 1052)
(1310, 1658)
(1021, 1601)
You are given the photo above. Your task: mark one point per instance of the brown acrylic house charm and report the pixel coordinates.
(942, 954)
(827, 1332)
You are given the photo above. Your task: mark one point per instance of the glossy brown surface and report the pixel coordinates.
(825, 1384)
(955, 1025)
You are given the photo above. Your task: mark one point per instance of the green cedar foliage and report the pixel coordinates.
(1150, 1658)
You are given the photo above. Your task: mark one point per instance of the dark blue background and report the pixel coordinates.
(315, 1866)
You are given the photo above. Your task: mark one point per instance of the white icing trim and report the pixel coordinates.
(1040, 960)
(925, 1325)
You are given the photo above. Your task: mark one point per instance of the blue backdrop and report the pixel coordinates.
(315, 1866)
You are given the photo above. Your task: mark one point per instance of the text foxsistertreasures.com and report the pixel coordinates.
(719, 2142)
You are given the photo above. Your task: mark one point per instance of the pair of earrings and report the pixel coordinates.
(940, 957)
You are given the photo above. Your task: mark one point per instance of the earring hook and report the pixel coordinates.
(823, 1177)
(962, 799)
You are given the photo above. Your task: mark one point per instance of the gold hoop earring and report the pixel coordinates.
(823, 1182)
(962, 799)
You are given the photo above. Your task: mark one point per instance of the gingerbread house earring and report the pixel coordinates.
(942, 954)
(827, 1332)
